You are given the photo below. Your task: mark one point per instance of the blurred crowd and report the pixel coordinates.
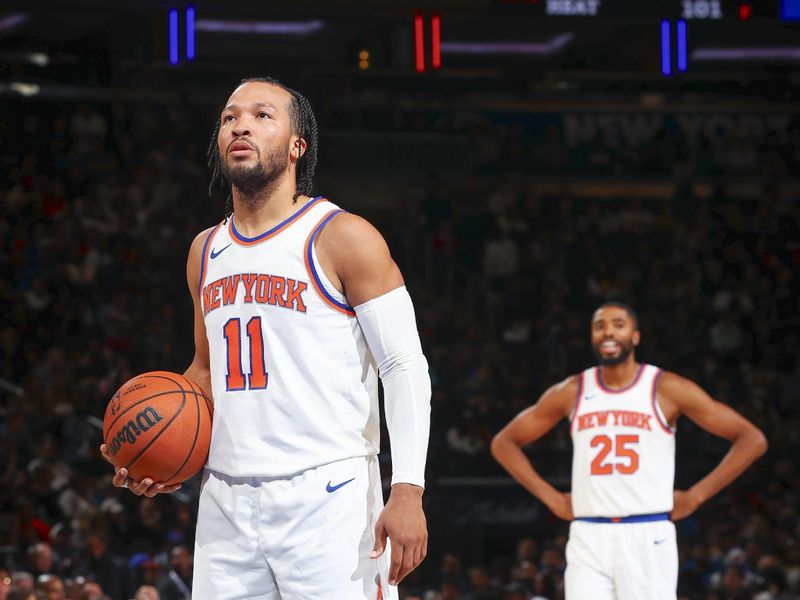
(96, 216)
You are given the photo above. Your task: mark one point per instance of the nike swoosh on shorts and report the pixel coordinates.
(332, 488)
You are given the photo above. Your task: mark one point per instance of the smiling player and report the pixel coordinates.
(622, 419)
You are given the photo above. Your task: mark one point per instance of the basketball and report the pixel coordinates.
(158, 425)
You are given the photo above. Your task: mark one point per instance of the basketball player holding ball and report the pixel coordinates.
(298, 308)
(622, 419)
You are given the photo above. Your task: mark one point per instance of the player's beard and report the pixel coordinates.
(612, 361)
(253, 181)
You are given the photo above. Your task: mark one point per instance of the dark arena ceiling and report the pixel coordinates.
(551, 47)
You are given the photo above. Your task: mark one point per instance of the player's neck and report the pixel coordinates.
(619, 376)
(260, 211)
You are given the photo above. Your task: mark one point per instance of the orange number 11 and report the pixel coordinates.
(235, 380)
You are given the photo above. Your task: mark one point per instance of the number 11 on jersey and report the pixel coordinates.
(258, 378)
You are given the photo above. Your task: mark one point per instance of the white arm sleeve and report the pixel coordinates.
(390, 327)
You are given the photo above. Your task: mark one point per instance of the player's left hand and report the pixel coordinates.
(684, 504)
(145, 487)
(403, 521)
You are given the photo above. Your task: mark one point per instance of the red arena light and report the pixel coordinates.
(436, 38)
(419, 42)
(745, 11)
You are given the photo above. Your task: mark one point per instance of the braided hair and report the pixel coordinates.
(303, 123)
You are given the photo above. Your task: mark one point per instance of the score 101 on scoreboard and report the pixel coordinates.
(695, 10)
(686, 9)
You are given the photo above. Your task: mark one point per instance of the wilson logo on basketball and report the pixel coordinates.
(115, 404)
(134, 428)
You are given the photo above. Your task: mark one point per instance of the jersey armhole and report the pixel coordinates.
(659, 414)
(321, 284)
(204, 261)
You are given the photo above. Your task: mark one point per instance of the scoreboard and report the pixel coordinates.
(690, 10)
(684, 9)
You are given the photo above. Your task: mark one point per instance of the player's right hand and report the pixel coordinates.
(684, 504)
(145, 487)
(561, 506)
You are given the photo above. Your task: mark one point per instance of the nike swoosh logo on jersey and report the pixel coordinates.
(589, 397)
(332, 488)
(216, 254)
(661, 541)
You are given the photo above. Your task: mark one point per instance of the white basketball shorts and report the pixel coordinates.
(621, 561)
(301, 538)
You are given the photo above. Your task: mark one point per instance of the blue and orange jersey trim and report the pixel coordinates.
(630, 386)
(656, 412)
(316, 282)
(204, 261)
(246, 241)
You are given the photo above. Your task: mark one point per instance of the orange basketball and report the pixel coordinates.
(158, 425)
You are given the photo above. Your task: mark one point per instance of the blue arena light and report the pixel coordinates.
(190, 33)
(173, 36)
(666, 59)
(790, 10)
(682, 54)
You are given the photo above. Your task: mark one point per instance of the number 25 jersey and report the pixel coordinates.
(623, 460)
(294, 383)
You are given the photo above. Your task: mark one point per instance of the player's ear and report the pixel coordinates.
(636, 337)
(299, 148)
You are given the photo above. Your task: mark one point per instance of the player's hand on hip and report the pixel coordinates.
(683, 504)
(145, 487)
(561, 506)
(403, 521)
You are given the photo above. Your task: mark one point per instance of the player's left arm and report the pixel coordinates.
(678, 395)
(357, 260)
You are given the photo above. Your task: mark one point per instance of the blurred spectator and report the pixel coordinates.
(50, 587)
(103, 567)
(40, 559)
(22, 580)
(146, 570)
(480, 585)
(146, 592)
(92, 591)
(177, 583)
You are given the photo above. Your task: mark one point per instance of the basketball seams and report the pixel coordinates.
(163, 429)
(193, 460)
(138, 402)
(142, 377)
(209, 404)
(194, 441)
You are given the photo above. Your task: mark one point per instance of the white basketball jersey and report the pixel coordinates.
(623, 460)
(294, 383)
